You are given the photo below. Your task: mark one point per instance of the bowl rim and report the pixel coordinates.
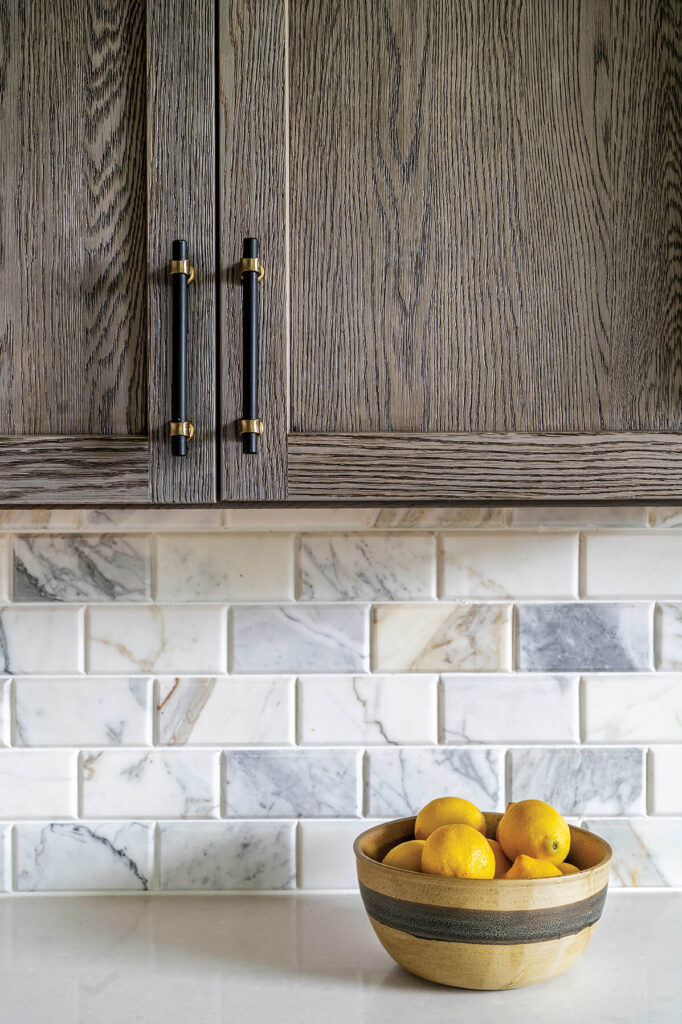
(456, 882)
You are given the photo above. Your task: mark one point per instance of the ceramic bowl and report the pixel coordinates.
(481, 934)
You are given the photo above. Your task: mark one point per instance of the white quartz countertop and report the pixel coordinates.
(297, 958)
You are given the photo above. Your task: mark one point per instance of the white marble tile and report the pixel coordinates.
(633, 709)
(292, 783)
(300, 518)
(5, 712)
(668, 636)
(585, 781)
(511, 564)
(401, 781)
(367, 567)
(225, 567)
(510, 709)
(669, 516)
(356, 710)
(81, 567)
(666, 781)
(246, 710)
(632, 565)
(326, 858)
(40, 640)
(646, 851)
(157, 638)
(584, 637)
(5, 862)
(216, 856)
(153, 519)
(556, 517)
(150, 784)
(82, 712)
(298, 638)
(41, 519)
(441, 637)
(37, 784)
(441, 518)
(72, 856)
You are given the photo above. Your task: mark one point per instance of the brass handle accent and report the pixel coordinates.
(185, 429)
(249, 427)
(182, 267)
(251, 264)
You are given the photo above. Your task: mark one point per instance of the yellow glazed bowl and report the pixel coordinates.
(482, 934)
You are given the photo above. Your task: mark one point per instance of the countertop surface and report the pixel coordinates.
(298, 958)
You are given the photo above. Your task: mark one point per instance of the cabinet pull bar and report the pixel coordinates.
(250, 427)
(181, 274)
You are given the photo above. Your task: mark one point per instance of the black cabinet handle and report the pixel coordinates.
(250, 428)
(182, 274)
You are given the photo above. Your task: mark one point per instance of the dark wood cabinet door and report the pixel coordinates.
(470, 216)
(107, 128)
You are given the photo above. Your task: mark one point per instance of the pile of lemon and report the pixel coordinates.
(532, 841)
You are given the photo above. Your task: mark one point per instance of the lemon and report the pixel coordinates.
(502, 862)
(447, 810)
(534, 828)
(568, 869)
(458, 851)
(406, 855)
(531, 867)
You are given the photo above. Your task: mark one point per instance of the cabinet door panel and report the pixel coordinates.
(476, 206)
(494, 191)
(94, 188)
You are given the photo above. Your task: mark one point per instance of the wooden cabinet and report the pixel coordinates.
(108, 153)
(470, 218)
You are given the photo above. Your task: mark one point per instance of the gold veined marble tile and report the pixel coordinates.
(441, 637)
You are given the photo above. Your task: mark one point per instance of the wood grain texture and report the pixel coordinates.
(72, 232)
(487, 468)
(181, 204)
(74, 470)
(485, 215)
(252, 185)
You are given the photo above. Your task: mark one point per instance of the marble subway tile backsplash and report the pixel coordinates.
(510, 709)
(216, 700)
(441, 637)
(367, 710)
(367, 567)
(300, 638)
(584, 636)
(70, 856)
(150, 784)
(217, 856)
(292, 784)
(233, 711)
(399, 782)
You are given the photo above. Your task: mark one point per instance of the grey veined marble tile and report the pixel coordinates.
(73, 856)
(367, 567)
(227, 855)
(401, 781)
(292, 784)
(293, 638)
(81, 567)
(587, 780)
(646, 851)
(584, 636)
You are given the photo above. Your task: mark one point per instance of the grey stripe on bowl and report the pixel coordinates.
(483, 927)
